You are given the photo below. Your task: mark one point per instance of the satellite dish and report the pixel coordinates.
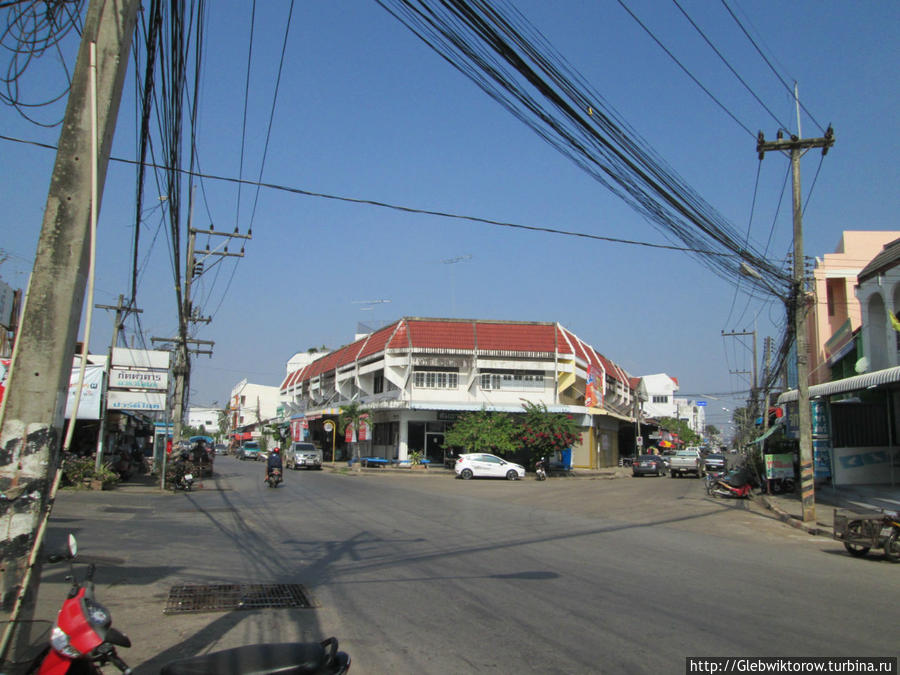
(862, 365)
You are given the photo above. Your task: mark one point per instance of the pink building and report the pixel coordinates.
(837, 314)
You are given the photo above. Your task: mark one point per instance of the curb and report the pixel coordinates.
(816, 530)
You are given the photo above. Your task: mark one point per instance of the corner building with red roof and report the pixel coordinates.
(417, 375)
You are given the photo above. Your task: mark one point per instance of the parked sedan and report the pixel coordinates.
(483, 465)
(648, 465)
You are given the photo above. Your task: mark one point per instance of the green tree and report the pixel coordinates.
(224, 423)
(353, 415)
(680, 427)
(280, 432)
(543, 433)
(483, 431)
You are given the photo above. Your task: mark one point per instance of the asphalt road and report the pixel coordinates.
(424, 573)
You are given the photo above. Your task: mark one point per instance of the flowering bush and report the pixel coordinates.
(544, 433)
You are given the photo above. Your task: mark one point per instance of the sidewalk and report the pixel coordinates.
(857, 498)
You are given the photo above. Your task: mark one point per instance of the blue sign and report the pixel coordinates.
(701, 403)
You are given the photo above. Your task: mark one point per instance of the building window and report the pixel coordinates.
(660, 399)
(435, 379)
(243, 400)
(378, 385)
(515, 380)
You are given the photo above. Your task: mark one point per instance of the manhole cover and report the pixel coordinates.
(227, 597)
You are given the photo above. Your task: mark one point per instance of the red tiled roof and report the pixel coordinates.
(378, 340)
(400, 338)
(442, 334)
(513, 337)
(489, 336)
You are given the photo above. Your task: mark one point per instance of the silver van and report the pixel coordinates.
(303, 456)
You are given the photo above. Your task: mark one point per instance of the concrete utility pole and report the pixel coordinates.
(32, 416)
(796, 147)
(194, 267)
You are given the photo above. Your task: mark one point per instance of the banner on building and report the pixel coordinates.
(590, 389)
(4, 370)
(91, 393)
(146, 401)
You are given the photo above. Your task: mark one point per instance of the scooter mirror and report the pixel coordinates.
(73, 546)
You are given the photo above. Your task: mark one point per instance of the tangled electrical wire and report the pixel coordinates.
(512, 62)
(32, 30)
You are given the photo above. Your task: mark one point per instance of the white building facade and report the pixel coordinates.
(249, 406)
(416, 376)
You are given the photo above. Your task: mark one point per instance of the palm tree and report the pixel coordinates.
(352, 415)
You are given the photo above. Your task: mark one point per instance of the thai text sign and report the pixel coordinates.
(147, 401)
(121, 378)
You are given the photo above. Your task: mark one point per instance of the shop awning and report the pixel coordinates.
(771, 430)
(855, 383)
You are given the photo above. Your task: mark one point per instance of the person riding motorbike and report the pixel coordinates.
(274, 462)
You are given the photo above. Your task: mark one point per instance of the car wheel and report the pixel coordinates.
(512, 474)
(466, 474)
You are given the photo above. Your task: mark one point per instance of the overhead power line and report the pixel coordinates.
(410, 209)
(514, 64)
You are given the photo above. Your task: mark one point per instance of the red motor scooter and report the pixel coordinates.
(83, 641)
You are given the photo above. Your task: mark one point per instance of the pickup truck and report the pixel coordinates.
(685, 461)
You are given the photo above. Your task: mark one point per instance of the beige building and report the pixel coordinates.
(837, 313)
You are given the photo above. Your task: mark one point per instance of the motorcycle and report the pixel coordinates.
(862, 532)
(83, 641)
(274, 478)
(736, 483)
(180, 474)
(540, 472)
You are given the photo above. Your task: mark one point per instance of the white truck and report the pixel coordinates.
(684, 462)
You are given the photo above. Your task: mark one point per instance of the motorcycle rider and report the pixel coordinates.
(274, 462)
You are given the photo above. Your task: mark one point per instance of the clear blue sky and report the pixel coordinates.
(365, 110)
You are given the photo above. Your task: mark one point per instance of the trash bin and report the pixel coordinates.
(566, 456)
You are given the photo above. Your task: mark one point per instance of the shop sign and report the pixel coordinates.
(147, 401)
(123, 378)
(780, 466)
(440, 361)
(91, 393)
(140, 358)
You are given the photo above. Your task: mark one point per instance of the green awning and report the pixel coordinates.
(772, 430)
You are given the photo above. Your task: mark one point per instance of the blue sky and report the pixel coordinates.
(365, 110)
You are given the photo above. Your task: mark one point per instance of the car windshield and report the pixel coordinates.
(251, 446)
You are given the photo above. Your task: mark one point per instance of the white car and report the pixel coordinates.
(483, 465)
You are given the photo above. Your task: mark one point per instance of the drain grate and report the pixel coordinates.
(186, 598)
